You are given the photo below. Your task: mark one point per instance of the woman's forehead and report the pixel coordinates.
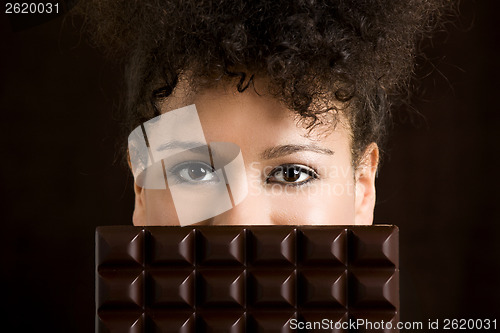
(253, 114)
(258, 98)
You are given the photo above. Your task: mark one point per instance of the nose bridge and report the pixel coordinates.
(252, 210)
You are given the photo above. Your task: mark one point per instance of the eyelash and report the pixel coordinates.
(313, 174)
(299, 170)
(175, 172)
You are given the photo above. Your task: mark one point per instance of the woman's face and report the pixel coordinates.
(291, 177)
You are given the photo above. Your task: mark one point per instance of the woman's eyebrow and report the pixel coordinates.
(175, 144)
(283, 150)
(192, 147)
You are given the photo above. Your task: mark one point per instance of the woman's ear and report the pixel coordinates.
(139, 215)
(365, 174)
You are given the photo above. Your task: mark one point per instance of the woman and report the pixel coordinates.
(300, 90)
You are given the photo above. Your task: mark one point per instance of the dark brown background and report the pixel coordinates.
(59, 102)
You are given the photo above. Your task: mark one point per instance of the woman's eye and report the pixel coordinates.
(291, 174)
(195, 172)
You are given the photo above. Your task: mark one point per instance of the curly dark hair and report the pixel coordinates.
(356, 53)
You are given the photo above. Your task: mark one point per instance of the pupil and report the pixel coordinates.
(197, 172)
(291, 174)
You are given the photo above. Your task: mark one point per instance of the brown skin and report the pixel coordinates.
(337, 194)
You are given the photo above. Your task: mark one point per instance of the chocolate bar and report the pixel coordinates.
(246, 279)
